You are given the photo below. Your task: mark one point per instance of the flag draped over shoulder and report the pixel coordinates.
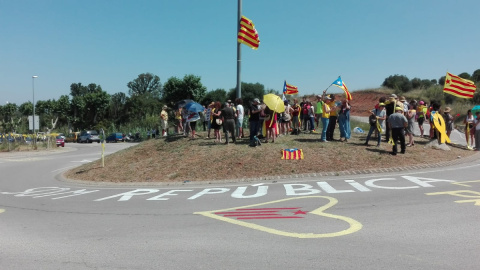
(289, 89)
(338, 82)
(459, 87)
(247, 34)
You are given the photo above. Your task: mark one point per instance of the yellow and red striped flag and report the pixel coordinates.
(247, 34)
(459, 87)
(289, 89)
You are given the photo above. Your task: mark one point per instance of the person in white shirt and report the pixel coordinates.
(240, 115)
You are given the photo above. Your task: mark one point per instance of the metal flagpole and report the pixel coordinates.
(239, 61)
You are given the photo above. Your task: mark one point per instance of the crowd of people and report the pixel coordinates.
(394, 116)
(397, 117)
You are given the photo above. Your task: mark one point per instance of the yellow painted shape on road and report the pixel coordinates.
(474, 195)
(2, 210)
(463, 183)
(354, 225)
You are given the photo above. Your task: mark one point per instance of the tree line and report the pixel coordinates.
(90, 107)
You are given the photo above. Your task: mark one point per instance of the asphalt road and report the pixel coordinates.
(425, 219)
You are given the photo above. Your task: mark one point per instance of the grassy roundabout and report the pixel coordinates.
(178, 159)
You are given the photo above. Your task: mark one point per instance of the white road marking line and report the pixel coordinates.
(64, 168)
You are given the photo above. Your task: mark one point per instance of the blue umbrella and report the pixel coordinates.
(475, 109)
(194, 107)
(182, 103)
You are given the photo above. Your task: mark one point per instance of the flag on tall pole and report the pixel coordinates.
(247, 33)
(459, 87)
(339, 83)
(289, 89)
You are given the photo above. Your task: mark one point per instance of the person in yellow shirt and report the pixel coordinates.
(164, 120)
(332, 122)
(421, 110)
(325, 118)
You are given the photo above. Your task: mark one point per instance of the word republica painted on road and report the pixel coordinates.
(241, 192)
(471, 195)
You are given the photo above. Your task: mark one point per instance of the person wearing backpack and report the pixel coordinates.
(376, 115)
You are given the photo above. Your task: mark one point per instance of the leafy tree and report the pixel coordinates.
(416, 83)
(26, 109)
(476, 76)
(249, 92)
(215, 95)
(190, 87)
(145, 83)
(398, 82)
(465, 75)
(427, 83)
(116, 109)
(441, 81)
(9, 119)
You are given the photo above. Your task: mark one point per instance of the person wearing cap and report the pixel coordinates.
(164, 120)
(449, 120)
(397, 122)
(421, 110)
(403, 100)
(380, 116)
(390, 105)
(318, 110)
(254, 120)
(325, 118)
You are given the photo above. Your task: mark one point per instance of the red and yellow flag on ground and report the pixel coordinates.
(248, 34)
(459, 87)
(292, 153)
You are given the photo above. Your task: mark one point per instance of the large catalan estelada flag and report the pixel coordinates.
(459, 87)
(289, 89)
(338, 82)
(247, 34)
(293, 153)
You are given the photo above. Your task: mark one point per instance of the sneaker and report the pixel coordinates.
(392, 153)
(324, 141)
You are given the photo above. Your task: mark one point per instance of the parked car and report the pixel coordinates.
(72, 137)
(114, 137)
(88, 136)
(60, 141)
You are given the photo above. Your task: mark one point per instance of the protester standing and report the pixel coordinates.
(380, 116)
(295, 111)
(164, 120)
(216, 125)
(411, 122)
(254, 120)
(318, 111)
(469, 129)
(332, 122)
(325, 118)
(477, 131)
(421, 110)
(344, 121)
(228, 115)
(240, 116)
(397, 123)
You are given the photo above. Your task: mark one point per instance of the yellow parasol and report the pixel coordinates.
(274, 103)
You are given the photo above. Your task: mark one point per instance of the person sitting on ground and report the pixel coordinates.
(397, 123)
(380, 116)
